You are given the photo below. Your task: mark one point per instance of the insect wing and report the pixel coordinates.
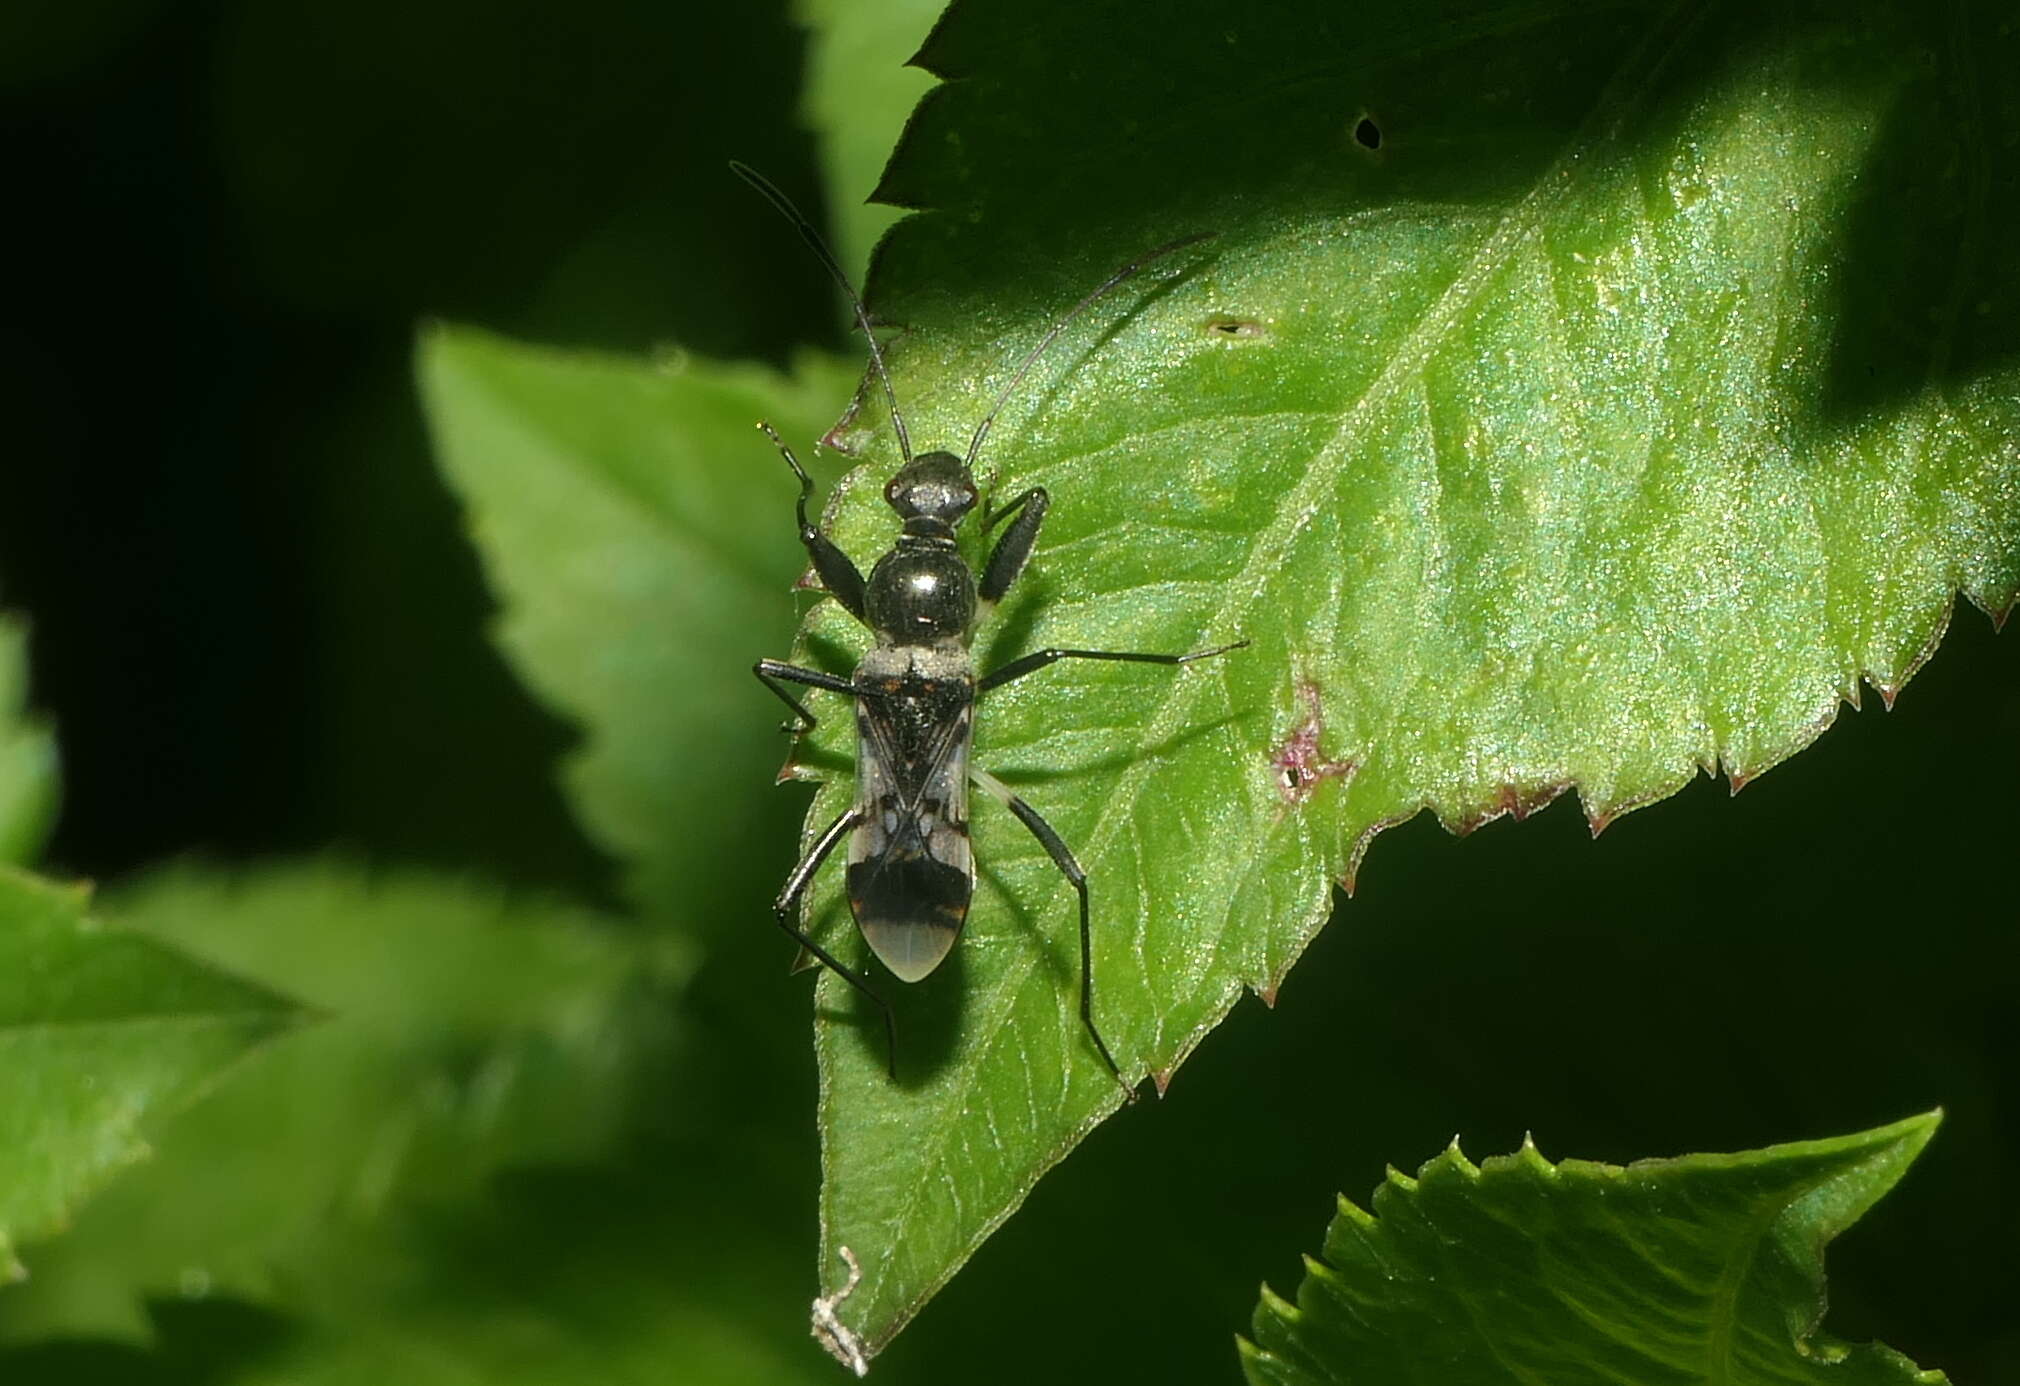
(911, 868)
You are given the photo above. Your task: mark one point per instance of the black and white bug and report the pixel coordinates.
(911, 870)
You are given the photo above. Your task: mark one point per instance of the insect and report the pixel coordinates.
(911, 870)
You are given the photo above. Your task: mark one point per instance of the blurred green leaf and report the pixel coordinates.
(859, 90)
(28, 767)
(639, 530)
(655, 1343)
(1705, 1268)
(1592, 429)
(463, 1032)
(101, 1032)
(524, 1294)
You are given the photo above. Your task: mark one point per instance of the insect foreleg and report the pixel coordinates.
(787, 907)
(838, 573)
(1062, 857)
(1013, 550)
(1032, 663)
(770, 671)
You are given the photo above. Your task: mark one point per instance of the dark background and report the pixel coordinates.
(258, 629)
(253, 610)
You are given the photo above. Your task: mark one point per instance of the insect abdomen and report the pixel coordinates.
(910, 908)
(911, 868)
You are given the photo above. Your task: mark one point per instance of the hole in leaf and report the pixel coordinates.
(1235, 328)
(1367, 134)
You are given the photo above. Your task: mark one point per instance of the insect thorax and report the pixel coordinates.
(920, 593)
(913, 710)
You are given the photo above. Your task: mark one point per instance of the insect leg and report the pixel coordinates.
(1013, 550)
(770, 671)
(788, 905)
(837, 572)
(1031, 663)
(1062, 857)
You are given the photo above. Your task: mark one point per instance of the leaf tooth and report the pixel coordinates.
(1260, 1364)
(1509, 800)
(1601, 814)
(1346, 1208)
(1450, 1160)
(1279, 1306)
(1317, 1269)
(1396, 1179)
(1532, 1159)
(1356, 853)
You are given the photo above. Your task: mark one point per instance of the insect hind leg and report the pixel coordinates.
(1062, 857)
(787, 906)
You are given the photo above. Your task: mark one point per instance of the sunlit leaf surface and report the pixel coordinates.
(1573, 399)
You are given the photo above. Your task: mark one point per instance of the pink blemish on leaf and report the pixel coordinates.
(1161, 1077)
(1299, 764)
(1520, 803)
(1510, 802)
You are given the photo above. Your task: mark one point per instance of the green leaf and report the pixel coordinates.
(28, 769)
(461, 1033)
(603, 1276)
(101, 1033)
(857, 97)
(1648, 387)
(1706, 1268)
(638, 528)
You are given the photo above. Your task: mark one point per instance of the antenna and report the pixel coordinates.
(771, 194)
(1150, 257)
